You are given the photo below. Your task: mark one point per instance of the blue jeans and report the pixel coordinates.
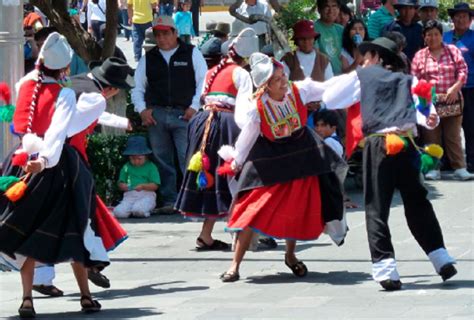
(138, 35)
(166, 9)
(124, 21)
(167, 136)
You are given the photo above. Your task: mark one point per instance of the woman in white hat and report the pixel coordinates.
(204, 194)
(52, 221)
(287, 186)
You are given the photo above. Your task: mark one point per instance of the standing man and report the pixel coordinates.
(140, 15)
(429, 11)
(250, 7)
(169, 81)
(463, 38)
(383, 16)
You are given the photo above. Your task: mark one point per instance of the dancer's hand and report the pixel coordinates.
(34, 166)
(188, 114)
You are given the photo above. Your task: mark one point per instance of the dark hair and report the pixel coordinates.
(397, 37)
(347, 42)
(181, 3)
(43, 33)
(328, 117)
(323, 3)
(432, 24)
(345, 9)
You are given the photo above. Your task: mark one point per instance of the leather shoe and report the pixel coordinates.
(447, 271)
(391, 285)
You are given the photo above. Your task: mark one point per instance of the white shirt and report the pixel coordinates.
(261, 7)
(141, 82)
(334, 144)
(306, 61)
(94, 12)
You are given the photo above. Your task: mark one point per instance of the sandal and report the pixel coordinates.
(98, 279)
(299, 268)
(230, 276)
(51, 291)
(27, 312)
(91, 306)
(216, 245)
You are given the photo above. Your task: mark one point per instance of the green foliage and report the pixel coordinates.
(444, 5)
(105, 157)
(294, 11)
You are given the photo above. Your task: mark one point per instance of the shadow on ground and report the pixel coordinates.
(332, 278)
(120, 313)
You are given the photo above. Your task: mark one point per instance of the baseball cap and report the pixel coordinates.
(163, 22)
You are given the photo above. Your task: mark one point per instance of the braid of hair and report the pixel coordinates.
(227, 59)
(34, 98)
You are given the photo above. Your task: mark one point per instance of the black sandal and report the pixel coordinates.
(51, 291)
(27, 312)
(230, 276)
(94, 305)
(299, 268)
(216, 245)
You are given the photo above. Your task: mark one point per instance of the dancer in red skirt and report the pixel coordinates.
(288, 186)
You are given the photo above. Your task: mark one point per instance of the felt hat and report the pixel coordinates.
(245, 43)
(212, 47)
(113, 72)
(261, 67)
(428, 4)
(55, 53)
(304, 29)
(211, 25)
(221, 29)
(460, 7)
(163, 22)
(136, 146)
(386, 48)
(406, 3)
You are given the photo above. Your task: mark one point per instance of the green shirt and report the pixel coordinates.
(330, 43)
(133, 176)
(377, 21)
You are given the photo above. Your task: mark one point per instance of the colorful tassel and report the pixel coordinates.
(195, 164)
(201, 180)
(434, 150)
(5, 93)
(6, 113)
(206, 162)
(394, 144)
(16, 192)
(7, 181)
(20, 159)
(423, 89)
(428, 163)
(210, 179)
(226, 169)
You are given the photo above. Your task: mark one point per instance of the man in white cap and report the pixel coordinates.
(429, 10)
(169, 81)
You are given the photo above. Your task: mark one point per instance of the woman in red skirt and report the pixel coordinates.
(288, 185)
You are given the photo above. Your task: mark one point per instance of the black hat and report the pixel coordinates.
(460, 7)
(406, 3)
(113, 72)
(386, 48)
(136, 146)
(212, 47)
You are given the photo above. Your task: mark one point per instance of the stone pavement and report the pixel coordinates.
(156, 274)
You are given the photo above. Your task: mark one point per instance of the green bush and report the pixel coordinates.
(295, 10)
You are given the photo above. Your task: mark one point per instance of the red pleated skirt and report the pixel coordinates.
(108, 227)
(290, 210)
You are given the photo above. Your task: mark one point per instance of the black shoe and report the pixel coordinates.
(447, 271)
(98, 279)
(268, 243)
(391, 285)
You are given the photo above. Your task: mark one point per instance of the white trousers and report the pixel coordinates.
(136, 203)
(44, 275)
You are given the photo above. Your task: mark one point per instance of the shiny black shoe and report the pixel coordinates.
(447, 271)
(391, 285)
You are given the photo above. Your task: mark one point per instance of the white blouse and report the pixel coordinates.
(249, 121)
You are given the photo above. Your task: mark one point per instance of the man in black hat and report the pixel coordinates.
(463, 38)
(386, 108)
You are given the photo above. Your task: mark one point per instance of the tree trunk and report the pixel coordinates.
(81, 41)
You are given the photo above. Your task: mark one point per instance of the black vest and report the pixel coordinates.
(385, 99)
(82, 83)
(172, 85)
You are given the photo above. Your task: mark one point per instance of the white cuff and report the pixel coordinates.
(439, 258)
(385, 269)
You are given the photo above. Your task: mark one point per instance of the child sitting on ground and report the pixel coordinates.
(139, 179)
(325, 125)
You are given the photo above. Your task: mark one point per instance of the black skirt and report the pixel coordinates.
(213, 202)
(49, 222)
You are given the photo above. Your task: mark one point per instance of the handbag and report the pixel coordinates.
(444, 109)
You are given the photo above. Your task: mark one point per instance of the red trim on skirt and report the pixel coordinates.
(290, 210)
(108, 227)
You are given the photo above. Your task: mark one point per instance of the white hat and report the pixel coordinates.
(261, 67)
(56, 53)
(428, 4)
(245, 43)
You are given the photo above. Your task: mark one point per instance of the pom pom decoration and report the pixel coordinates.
(20, 159)
(428, 163)
(16, 192)
(226, 152)
(7, 181)
(195, 164)
(434, 150)
(226, 169)
(206, 163)
(31, 143)
(423, 89)
(5, 93)
(210, 179)
(201, 180)
(6, 113)
(394, 144)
